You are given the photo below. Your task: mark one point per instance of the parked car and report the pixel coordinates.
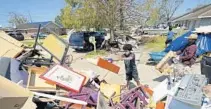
(41, 35)
(17, 35)
(80, 40)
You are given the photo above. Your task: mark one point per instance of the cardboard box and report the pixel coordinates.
(12, 96)
(35, 83)
(9, 46)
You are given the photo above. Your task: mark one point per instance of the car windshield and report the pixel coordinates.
(76, 36)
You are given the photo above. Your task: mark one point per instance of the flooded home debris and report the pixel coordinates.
(43, 75)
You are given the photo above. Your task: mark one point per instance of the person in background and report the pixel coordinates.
(188, 55)
(170, 36)
(130, 65)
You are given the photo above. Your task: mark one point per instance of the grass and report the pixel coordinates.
(63, 36)
(95, 54)
(156, 44)
(30, 42)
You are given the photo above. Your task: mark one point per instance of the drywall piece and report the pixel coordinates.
(12, 96)
(69, 100)
(35, 83)
(163, 89)
(65, 78)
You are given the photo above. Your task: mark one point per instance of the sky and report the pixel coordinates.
(47, 10)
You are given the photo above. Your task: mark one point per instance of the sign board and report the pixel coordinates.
(65, 78)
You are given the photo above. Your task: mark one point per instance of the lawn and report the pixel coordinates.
(30, 42)
(157, 44)
(95, 54)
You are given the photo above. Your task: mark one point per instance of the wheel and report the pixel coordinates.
(90, 47)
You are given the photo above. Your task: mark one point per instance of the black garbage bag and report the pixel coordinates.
(206, 67)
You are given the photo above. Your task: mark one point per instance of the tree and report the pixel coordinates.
(58, 20)
(16, 19)
(168, 8)
(112, 14)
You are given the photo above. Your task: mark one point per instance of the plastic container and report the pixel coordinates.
(157, 56)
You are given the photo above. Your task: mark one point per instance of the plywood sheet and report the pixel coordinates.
(55, 46)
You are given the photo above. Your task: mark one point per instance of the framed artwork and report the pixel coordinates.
(64, 77)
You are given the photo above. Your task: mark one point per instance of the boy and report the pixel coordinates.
(169, 36)
(130, 65)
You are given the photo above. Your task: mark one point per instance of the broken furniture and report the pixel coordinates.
(10, 68)
(129, 99)
(9, 47)
(35, 83)
(12, 96)
(53, 46)
(192, 92)
(87, 94)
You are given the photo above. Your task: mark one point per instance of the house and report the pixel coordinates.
(198, 17)
(32, 28)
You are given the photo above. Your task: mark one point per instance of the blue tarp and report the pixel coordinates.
(179, 43)
(203, 44)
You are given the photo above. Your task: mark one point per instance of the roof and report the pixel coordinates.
(35, 25)
(200, 12)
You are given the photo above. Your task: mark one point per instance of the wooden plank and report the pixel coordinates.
(165, 62)
(60, 98)
(108, 66)
(37, 84)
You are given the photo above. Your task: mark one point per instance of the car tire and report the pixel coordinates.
(90, 47)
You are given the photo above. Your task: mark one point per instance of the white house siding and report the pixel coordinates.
(205, 22)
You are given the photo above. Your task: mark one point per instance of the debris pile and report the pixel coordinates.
(40, 76)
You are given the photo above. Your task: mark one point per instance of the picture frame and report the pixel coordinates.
(65, 78)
